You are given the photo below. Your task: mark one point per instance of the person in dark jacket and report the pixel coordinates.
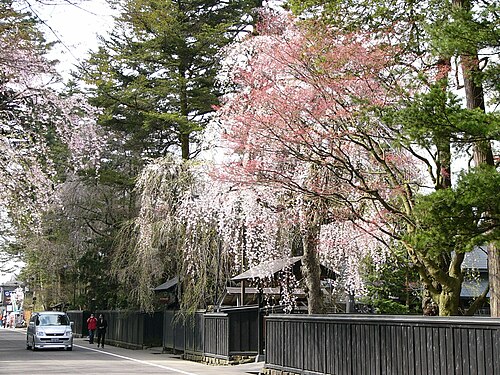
(102, 325)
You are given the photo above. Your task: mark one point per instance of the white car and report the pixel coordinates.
(49, 329)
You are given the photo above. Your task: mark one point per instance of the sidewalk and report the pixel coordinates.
(173, 362)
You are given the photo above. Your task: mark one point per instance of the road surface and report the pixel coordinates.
(88, 359)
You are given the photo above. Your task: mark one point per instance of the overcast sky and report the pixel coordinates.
(75, 27)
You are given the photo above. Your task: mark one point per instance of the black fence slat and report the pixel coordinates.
(479, 346)
(450, 350)
(441, 351)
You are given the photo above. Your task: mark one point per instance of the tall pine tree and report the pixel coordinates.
(154, 77)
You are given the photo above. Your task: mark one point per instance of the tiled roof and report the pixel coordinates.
(267, 269)
(167, 285)
(476, 259)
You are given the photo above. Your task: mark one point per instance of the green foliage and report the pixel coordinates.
(427, 118)
(465, 30)
(437, 118)
(459, 218)
(391, 287)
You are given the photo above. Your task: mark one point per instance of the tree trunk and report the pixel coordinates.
(449, 301)
(311, 269)
(312, 273)
(184, 136)
(432, 306)
(494, 276)
(483, 154)
(442, 280)
(474, 96)
(429, 307)
(443, 140)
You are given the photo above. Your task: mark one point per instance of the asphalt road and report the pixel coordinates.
(88, 359)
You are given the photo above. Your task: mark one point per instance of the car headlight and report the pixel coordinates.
(40, 333)
(68, 332)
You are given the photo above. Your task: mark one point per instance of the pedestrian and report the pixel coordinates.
(102, 325)
(1, 319)
(91, 326)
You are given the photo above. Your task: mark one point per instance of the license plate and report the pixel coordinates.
(54, 340)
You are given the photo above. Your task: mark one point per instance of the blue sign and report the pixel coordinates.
(6, 300)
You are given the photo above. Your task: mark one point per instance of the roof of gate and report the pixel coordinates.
(267, 269)
(167, 285)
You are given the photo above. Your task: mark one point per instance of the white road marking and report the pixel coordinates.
(128, 358)
(138, 361)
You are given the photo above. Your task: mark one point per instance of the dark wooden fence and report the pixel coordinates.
(131, 329)
(220, 335)
(183, 335)
(79, 319)
(383, 345)
(232, 332)
(194, 338)
(217, 335)
(173, 332)
(243, 328)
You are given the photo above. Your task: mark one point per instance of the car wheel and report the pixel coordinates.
(69, 348)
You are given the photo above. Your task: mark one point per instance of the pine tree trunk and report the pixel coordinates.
(483, 154)
(442, 140)
(429, 307)
(474, 96)
(449, 300)
(442, 281)
(184, 136)
(494, 276)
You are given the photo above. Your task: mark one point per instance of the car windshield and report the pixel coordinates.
(52, 320)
